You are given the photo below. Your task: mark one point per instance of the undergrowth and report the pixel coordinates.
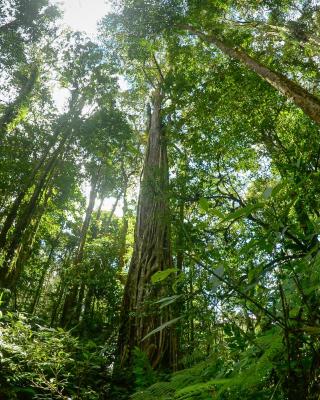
(249, 375)
(38, 362)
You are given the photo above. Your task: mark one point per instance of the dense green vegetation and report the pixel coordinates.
(200, 279)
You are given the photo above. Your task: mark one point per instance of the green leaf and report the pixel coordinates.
(276, 189)
(161, 327)
(162, 275)
(26, 391)
(204, 204)
(267, 193)
(219, 271)
(273, 191)
(312, 330)
(254, 273)
(217, 213)
(168, 300)
(244, 211)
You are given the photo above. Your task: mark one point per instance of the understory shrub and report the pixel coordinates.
(38, 362)
(253, 374)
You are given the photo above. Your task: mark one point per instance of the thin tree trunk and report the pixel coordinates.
(61, 287)
(84, 230)
(9, 26)
(40, 284)
(152, 253)
(13, 109)
(191, 311)
(124, 229)
(108, 221)
(72, 307)
(12, 213)
(55, 308)
(308, 103)
(90, 292)
(180, 238)
(23, 253)
(24, 220)
(95, 228)
(62, 126)
(80, 302)
(43, 275)
(291, 31)
(180, 249)
(88, 303)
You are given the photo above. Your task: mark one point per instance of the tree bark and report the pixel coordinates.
(152, 253)
(306, 101)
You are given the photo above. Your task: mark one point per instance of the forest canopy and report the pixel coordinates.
(159, 232)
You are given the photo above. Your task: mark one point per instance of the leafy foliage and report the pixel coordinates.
(247, 375)
(237, 299)
(39, 362)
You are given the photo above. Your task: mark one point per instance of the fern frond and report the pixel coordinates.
(201, 390)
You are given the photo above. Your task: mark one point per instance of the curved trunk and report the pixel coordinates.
(308, 103)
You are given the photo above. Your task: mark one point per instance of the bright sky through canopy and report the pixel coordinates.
(80, 15)
(83, 15)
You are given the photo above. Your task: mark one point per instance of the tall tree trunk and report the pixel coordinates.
(308, 103)
(152, 253)
(71, 308)
(88, 296)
